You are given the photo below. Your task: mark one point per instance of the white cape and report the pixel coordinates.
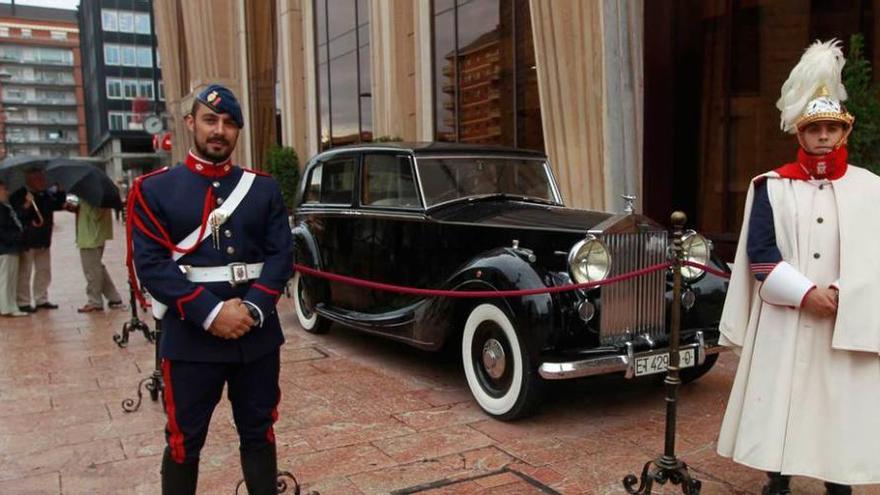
(805, 402)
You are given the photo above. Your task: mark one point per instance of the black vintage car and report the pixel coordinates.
(449, 216)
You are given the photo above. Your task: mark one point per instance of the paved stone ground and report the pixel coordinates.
(359, 416)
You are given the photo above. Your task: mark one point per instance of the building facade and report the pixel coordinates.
(41, 84)
(124, 87)
(671, 101)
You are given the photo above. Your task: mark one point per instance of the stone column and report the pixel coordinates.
(293, 76)
(203, 42)
(393, 78)
(623, 111)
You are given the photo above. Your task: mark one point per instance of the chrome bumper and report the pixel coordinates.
(619, 362)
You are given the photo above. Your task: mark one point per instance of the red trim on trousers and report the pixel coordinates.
(185, 299)
(270, 433)
(175, 436)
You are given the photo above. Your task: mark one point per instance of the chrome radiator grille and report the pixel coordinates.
(634, 307)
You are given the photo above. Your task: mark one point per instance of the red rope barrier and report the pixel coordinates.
(476, 293)
(708, 269)
(491, 293)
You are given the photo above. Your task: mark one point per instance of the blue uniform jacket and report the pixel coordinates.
(258, 231)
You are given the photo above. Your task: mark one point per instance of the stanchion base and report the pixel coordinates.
(661, 471)
(152, 384)
(133, 326)
(283, 484)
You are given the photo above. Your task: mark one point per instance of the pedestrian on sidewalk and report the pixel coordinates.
(35, 263)
(94, 227)
(11, 239)
(229, 226)
(802, 306)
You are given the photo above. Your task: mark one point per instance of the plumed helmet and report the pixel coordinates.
(814, 91)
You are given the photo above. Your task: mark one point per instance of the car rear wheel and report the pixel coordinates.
(308, 319)
(499, 371)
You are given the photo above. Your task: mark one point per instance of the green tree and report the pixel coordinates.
(863, 103)
(283, 164)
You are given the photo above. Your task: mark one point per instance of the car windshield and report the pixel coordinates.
(451, 179)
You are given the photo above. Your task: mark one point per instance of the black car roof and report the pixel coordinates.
(429, 148)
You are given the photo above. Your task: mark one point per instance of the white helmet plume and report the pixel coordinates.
(821, 65)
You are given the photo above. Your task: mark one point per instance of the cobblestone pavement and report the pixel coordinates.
(359, 416)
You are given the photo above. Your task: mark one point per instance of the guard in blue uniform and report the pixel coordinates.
(211, 243)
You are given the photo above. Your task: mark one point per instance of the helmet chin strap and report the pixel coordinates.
(840, 142)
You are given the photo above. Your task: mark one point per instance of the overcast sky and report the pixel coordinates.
(59, 4)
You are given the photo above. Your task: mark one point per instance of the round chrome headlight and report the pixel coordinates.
(697, 249)
(589, 260)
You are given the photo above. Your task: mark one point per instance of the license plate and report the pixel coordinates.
(657, 363)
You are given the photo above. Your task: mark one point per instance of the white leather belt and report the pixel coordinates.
(234, 273)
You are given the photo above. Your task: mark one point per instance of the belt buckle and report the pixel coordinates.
(238, 273)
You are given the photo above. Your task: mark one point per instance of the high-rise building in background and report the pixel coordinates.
(41, 84)
(123, 83)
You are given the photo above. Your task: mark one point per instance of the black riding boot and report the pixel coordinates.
(835, 489)
(777, 485)
(260, 469)
(178, 479)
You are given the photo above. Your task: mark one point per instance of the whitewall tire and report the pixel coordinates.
(309, 320)
(498, 369)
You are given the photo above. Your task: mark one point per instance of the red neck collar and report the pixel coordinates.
(207, 168)
(831, 166)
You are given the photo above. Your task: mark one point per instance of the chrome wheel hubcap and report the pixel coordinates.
(494, 360)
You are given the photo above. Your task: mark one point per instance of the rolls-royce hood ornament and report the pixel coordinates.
(629, 206)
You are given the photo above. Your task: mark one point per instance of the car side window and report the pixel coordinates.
(313, 190)
(388, 180)
(336, 180)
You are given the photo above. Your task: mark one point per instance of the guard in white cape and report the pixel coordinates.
(803, 306)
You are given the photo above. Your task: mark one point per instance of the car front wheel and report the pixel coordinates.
(498, 368)
(308, 319)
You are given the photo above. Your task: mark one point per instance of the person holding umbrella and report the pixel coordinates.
(11, 232)
(35, 262)
(96, 195)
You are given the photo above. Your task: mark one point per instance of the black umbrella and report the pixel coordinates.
(85, 180)
(12, 169)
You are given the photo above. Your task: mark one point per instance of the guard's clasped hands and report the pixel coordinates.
(233, 321)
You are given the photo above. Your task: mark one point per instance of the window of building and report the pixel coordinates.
(54, 56)
(111, 54)
(4, 31)
(126, 22)
(128, 56)
(114, 88)
(145, 56)
(485, 83)
(158, 60)
(55, 96)
(142, 23)
(343, 54)
(145, 88)
(26, 33)
(161, 91)
(129, 88)
(109, 20)
(14, 94)
(58, 35)
(133, 122)
(117, 121)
